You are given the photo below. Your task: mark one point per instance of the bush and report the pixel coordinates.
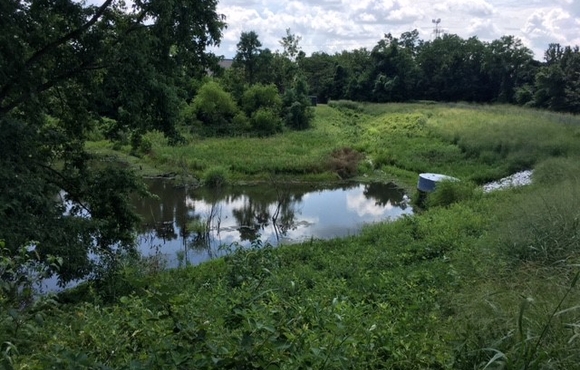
(450, 192)
(241, 123)
(261, 97)
(265, 122)
(344, 162)
(216, 177)
(215, 108)
(345, 105)
(383, 158)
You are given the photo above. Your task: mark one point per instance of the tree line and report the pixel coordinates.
(448, 68)
(407, 68)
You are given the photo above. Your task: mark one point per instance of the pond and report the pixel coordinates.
(189, 226)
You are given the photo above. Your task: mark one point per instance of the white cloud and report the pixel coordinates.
(551, 26)
(336, 25)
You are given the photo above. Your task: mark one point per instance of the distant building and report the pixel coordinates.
(226, 63)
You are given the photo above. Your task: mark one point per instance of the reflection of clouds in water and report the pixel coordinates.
(363, 206)
(229, 231)
(202, 206)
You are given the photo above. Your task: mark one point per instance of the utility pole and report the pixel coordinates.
(437, 31)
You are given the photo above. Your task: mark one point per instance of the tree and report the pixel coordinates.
(263, 105)
(290, 46)
(557, 84)
(509, 65)
(247, 54)
(297, 106)
(394, 70)
(64, 65)
(318, 69)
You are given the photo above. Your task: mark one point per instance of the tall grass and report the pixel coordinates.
(479, 143)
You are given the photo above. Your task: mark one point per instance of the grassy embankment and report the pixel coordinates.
(476, 281)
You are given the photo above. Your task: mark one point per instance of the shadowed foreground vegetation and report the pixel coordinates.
(474, 281)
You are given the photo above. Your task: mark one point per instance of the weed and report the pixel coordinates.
(344, 162)
(216, 177)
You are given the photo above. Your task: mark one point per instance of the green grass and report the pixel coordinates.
(475, 281)
(479, 143)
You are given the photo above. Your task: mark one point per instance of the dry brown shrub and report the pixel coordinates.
(345, 162)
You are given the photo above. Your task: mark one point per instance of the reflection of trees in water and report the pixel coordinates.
(160, 214)
(274, 206)
(172, 215)
(385, 193)
(200, 230)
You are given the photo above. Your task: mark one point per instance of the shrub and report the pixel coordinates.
(298, 112)
(383, 158)
(344, 105)
(216, 177)
(215, 108)
(241, 123)
(450, 192)
(344, 162)
(261, 97)
(265, 122)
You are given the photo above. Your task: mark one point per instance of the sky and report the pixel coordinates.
(336, 25)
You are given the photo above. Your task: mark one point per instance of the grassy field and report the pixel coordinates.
(475, 281)
(472, 142)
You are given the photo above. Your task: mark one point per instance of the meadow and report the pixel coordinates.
(474, 280)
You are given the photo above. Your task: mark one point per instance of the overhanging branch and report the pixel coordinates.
(49, 47)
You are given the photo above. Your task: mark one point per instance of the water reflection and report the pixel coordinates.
(188, 226)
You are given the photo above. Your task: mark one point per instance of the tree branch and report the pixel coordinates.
(51, 46)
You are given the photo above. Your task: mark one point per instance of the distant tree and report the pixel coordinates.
(298, 111)
(557, 84)
(394, 71)
(267, 70)
(318, 69)
(508, 64)
(359, 66)
(290, 45)
(247, 54)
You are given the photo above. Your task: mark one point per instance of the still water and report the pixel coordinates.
(189, 226)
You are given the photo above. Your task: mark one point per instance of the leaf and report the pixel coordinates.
(497, 356)
(13, 313)
(575, 280)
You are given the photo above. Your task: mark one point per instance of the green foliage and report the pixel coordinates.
(216, 177)
(73, 70)
(265, 122)
(450, 192)
(261, 97)
(346, 105)
(215, 108)
(544, 228)
(21, 272)
(297, 107)
(555, 170)
(248, 54)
